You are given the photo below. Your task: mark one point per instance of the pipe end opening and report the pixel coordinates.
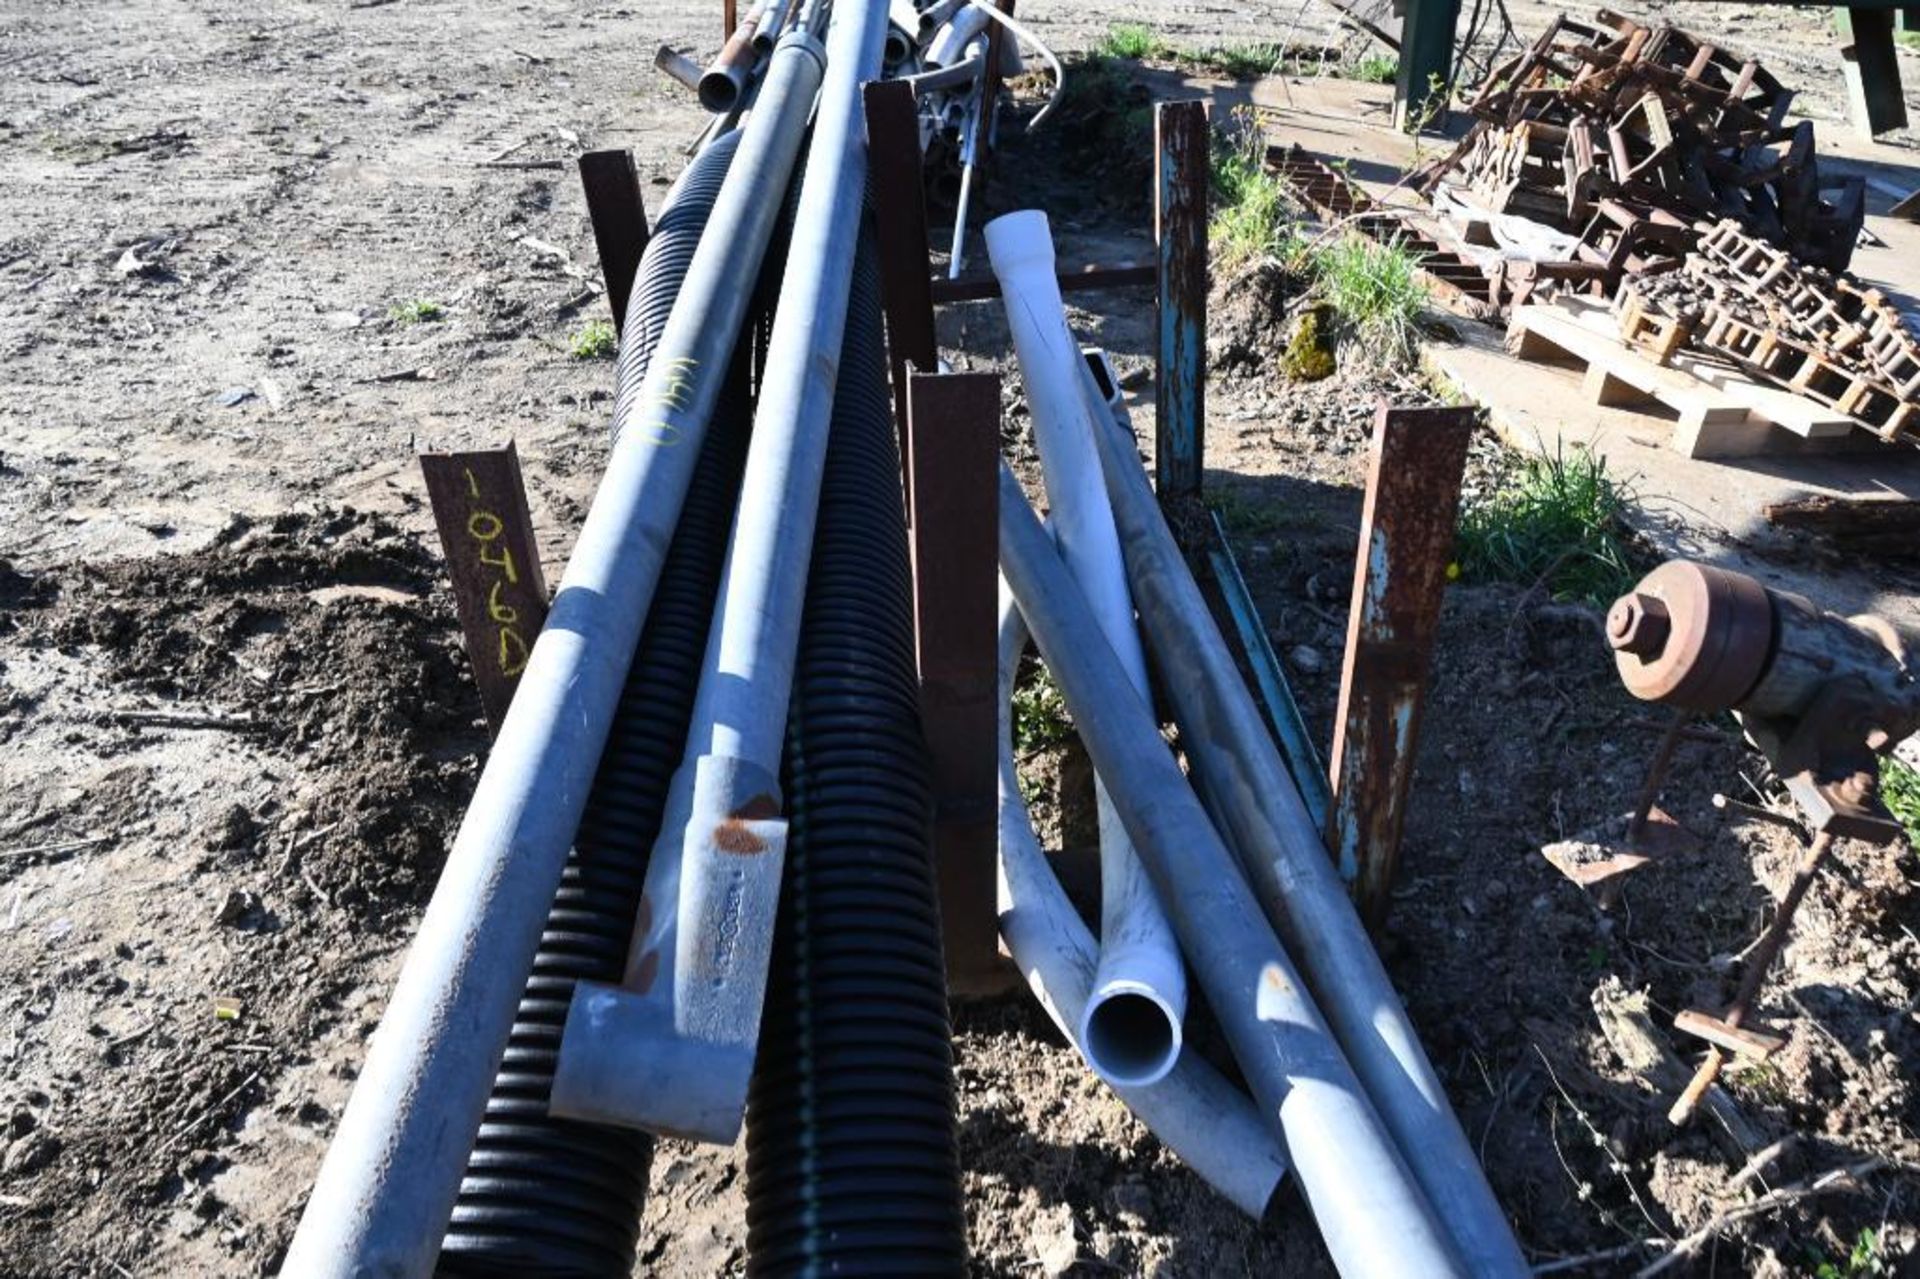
(718, 92)
(1132, 1038)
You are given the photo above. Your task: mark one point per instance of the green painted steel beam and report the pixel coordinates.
(1871, 69)
(1421, 84)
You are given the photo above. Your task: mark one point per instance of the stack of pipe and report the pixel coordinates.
(595, 886)
(1336, 1073)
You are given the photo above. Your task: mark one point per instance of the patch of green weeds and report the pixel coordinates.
(1865, 1258)
(1555, 519)
(595, 341)
(1375, 68)
(1375, 288)
(1900, 792)
(1252, 217)
(1040, 718)
(416, 311)
(1133, 40)
(1235, 61)
(1101, 132)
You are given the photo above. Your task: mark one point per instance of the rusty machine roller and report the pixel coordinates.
(1822, 696)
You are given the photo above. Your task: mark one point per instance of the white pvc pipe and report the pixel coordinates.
(949, 43)
(1131, 1025)
(1202, 1118)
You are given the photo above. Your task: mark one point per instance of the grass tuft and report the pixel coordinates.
(1132, 40)
(416, 311)
(1556, 519)
(1241, 60)
(1252, 219)
(1375, 68)
(594, 341)
(1235, 61)
(1376, 290)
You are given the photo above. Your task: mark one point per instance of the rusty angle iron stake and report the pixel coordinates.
(1406, 543)
(953, 475)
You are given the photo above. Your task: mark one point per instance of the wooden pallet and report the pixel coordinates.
(1722, 412)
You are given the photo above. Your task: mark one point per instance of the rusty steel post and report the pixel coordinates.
(900, 227)
(612, 187)
(1406, 543)
(953, 475)
(1182, 151)
(480, 509)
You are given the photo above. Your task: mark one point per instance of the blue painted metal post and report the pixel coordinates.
(1182, 151)
(1406, 543)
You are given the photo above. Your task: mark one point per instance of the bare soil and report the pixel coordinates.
(237, 729)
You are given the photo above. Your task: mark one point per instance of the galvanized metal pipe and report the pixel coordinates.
(678, 67)
(726, 79)
(1371, 1213)
(1212, 1125)
(1261, 814)
(672, 1051)
(387, 1186)
(1132, 1027)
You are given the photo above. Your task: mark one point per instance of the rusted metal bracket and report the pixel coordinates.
(480, 509)
(1183, 156)
(612, 187)
(1406, 543)
(952, 464)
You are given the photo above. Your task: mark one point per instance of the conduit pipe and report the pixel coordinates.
(1371, 1213)
(962, 72)
(726, 79)
(1131, 1025)
(853, 1164)
(1260, 813)
(387, 1186)
(773, 25)
(1201, 1117)
(541, 1196)
(949, 43)
(671, 1051)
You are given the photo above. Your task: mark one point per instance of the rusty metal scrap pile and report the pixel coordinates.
(1627, 135)
(1697, 206)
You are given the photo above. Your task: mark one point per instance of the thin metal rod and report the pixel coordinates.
(1772, 942)
(1656, 774)
(705, 931)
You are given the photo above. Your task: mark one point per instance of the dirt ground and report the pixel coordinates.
(237, 729)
